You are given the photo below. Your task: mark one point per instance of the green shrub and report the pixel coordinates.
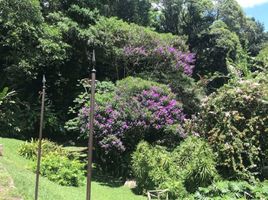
(132, 86)
(176, 189)
(234, 121)
(56, 164)
(62, 170)
(29, 149)
(195, 160)
(150, 165)
(189, 166)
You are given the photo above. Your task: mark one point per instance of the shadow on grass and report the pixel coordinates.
(137, 191)
(109, 181)
(106, 180)
(98, 176)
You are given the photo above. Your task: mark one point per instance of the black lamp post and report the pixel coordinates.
(91, 123)
(40, 138)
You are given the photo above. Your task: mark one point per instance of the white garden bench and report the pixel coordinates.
(157, 194)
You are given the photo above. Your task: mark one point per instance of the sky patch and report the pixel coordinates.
(251, 3)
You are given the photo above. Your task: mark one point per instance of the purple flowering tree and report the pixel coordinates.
(161, 57)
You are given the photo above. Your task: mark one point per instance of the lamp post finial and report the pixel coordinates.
(93, 60)
(44, 79)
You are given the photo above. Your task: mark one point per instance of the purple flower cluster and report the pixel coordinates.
(164, 109)
(163, 56)
(150, 109)
(177, 58)
(111, 142)
(134, 51)
(108, 127)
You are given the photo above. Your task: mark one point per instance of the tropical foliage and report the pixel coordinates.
(233, 190)
(184, 81)
(177, 171)
(234, 121)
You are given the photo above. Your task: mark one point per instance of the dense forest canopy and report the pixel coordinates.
(55, 38)
(174, 76)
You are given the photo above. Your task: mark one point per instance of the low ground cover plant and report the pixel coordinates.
(29, 149)
(233, 190)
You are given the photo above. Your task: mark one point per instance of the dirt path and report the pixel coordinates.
(7, 188)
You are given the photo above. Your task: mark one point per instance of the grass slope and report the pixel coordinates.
(24, 180)
(7, 189)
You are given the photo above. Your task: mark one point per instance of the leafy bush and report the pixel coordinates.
(5, 95)
(234, 121)
(83, 16)
(56, 164)
(150, 165)
(29, 149)
(60, 169)
(176, 189)
(195, 160)
(19, 119)
(189, 166)
(152, 168)
(233, 190)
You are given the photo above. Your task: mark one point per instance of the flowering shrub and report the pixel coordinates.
(149, 109)
(138, 111)
(166, 64)
(234, 121)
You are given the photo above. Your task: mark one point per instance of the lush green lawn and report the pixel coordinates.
(24, 180)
